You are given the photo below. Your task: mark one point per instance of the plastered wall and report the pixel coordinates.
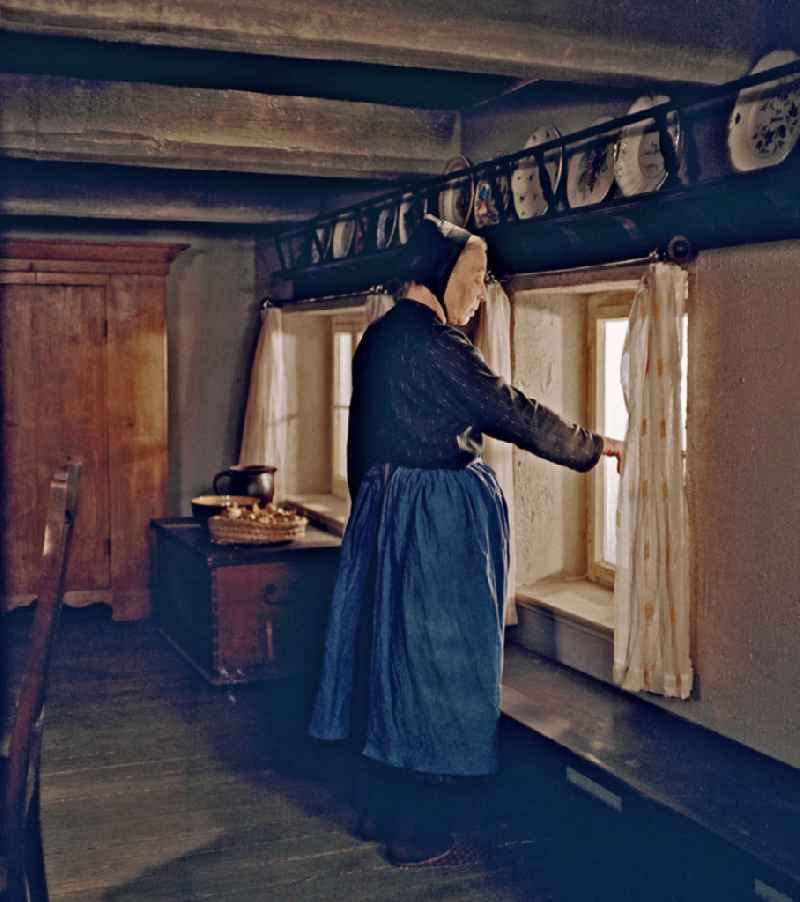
(212, 323)
(549, 340)
(744, 466)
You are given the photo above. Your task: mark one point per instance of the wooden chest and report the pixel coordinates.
(242, 613)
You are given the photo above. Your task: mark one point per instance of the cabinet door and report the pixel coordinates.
(53, 396)
(137, 422)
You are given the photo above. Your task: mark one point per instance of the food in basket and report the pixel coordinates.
(270, 514)
(258, 524)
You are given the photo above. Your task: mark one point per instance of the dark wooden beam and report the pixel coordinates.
(33, 188)
(46, 118)
(709, 43)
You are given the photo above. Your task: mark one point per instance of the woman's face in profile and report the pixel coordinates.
(466, 289)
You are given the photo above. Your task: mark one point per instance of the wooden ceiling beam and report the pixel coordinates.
(547, 39)
(49, 118)
(77, 190)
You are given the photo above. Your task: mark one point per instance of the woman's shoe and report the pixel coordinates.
(457, 854)
(410, 853)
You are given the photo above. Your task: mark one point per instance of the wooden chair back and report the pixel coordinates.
(22, 766)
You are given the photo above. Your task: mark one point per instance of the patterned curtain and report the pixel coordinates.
(493, 340)
(651, 594)
(266, 417)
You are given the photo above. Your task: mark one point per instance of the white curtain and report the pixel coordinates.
(651, 594)
(493, 340)
(266, 418)
(377, 305)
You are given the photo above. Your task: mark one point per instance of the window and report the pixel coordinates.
(608, 325)
(346, 331)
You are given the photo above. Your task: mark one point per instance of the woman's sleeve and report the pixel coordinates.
(502, 411)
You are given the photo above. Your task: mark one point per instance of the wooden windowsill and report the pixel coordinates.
(326, 511)
(579, 600)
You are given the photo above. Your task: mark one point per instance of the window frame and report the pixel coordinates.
(602, 306)
(354, 323)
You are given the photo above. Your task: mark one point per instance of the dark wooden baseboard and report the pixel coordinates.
(634, 749)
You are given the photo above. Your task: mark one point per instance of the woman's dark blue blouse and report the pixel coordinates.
(424, 397)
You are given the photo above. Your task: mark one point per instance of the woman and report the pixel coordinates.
(413, 656)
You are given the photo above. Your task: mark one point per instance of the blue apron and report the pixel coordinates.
(437, 647)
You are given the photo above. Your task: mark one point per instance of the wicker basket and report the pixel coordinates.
(227, 531)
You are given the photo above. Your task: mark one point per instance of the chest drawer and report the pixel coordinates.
(270, 618)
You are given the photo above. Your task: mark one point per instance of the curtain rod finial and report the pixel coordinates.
(680, 249)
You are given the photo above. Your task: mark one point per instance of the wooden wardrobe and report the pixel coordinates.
(84, 373)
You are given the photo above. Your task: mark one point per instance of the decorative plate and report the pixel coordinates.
(360, 237)
(343, 232)
(456, 198)
(324, 233)
(639, 165)
(385, 228)
(526, 187)
(765, 121)
(412, 208)
(492, 198)
(590, 172)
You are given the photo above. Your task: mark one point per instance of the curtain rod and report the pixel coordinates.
(322, 299)
(679, 250)
(577, 270)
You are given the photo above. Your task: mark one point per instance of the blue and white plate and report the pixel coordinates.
(765, 122)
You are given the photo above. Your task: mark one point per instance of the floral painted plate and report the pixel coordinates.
(492, 199)
(361, 233)
(324, 233)
(386, 226)
(590, 172)
(526, 186)
(765, 121)
(343, 233)
(456, 198)
(639, 165)
(412, 208)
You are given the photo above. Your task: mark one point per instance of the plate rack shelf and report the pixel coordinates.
(703, 197)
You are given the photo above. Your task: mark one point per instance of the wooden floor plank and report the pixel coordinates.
(157, 787)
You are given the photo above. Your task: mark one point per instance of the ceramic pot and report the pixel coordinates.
(256, 481)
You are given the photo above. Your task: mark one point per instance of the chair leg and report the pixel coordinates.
(34, 864)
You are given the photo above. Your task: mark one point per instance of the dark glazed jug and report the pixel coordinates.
(257, 481)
